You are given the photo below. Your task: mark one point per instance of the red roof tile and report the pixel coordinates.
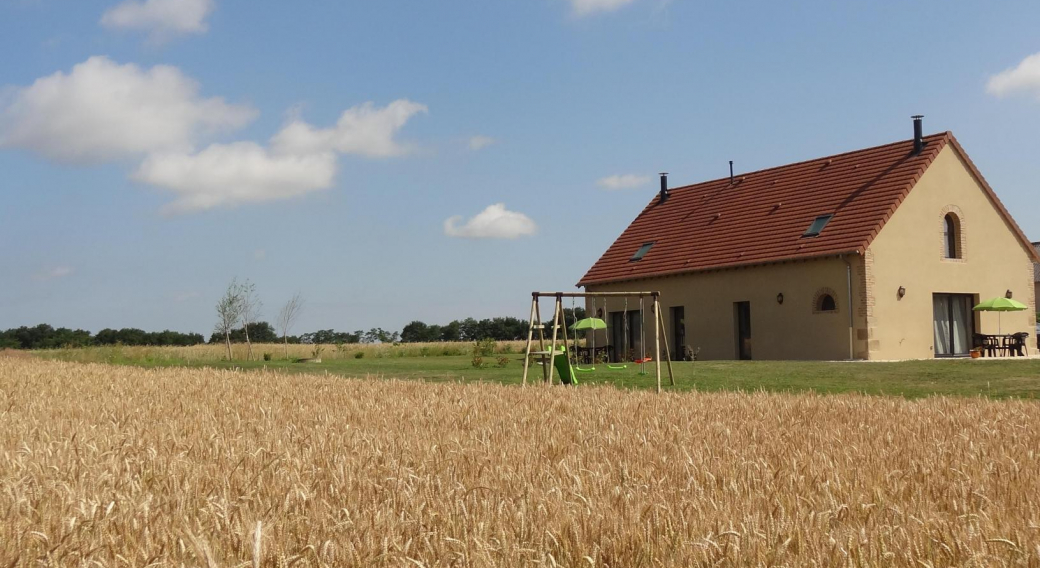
(761, 217)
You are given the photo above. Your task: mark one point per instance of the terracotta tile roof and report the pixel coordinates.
(761, 217)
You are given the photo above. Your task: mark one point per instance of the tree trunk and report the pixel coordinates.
(249, 345)
(227, 341)
(285, 340)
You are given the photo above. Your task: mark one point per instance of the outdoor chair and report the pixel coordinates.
(978, 341)
(1016, 344)
(992, 346)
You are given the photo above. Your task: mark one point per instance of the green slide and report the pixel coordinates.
(563, 367)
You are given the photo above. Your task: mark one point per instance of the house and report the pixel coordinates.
(1036, 278)
(873, 254)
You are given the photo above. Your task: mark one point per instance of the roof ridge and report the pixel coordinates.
(942, 134)
(870, 194)
(947, 137)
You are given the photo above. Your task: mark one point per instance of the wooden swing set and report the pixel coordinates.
(546, 357)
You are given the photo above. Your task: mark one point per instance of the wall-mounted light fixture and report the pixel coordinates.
(780, 298)
(901, 291)
(1008, 294)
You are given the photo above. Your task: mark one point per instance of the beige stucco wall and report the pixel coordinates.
(1036, 290)
(788, 331)
(909, 252)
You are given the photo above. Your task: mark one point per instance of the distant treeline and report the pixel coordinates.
(44, 336)
(469, 329)
(263, 332)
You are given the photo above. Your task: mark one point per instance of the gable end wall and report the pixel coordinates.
(908, 252)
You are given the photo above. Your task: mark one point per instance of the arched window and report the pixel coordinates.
(951, 236)
(825, 303)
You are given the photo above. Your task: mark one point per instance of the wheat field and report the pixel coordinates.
(210, 352)
(121, 466)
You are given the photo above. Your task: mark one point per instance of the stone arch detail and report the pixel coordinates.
(818, 299)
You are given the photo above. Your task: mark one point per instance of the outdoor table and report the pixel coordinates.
(588, 355)
(1002, 345)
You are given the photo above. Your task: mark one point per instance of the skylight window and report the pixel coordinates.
(817, 225)
(641, 252)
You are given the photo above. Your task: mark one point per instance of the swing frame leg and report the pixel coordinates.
(566, 346)
(530, 339)
(552, 348)
(667, 349)
(541, 339)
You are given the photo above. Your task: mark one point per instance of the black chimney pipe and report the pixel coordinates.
(918, 133)
(731, 172)
(664, 186)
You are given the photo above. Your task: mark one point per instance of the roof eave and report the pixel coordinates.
(732, 266)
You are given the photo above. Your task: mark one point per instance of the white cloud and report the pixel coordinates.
(300, 159)
(54, 273)
(495, 222)
(480, 142)
(231, 174)
(587, 7)
(363, 129)
(1023, 78)
(162, 19)
(103, 111)
(259, 254)
(627, 181)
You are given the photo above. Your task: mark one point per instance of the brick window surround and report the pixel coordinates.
(817, 297)
(961, 228)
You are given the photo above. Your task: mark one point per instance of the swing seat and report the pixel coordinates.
(584, 370)
(617, 367)
(644, 360)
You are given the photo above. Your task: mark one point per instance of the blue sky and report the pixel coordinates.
(401, 160)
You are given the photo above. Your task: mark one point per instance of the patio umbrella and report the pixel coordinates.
(1000, 304)
(588, 323)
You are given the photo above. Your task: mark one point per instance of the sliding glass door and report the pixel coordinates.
(631, 347)
(953, 324)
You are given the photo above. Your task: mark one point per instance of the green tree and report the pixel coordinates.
(229, 313)
(415, 332)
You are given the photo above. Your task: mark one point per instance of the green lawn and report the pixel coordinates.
(962, 377)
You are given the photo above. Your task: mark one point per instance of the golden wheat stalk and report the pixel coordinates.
(114, 466)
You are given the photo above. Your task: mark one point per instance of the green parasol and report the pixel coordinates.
(1000, 304)
(588, 323)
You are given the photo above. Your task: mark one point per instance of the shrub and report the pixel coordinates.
(359, 355)
(317, 351)
(484, 347)
(502, 362)
(478, 362)
(267, 356)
